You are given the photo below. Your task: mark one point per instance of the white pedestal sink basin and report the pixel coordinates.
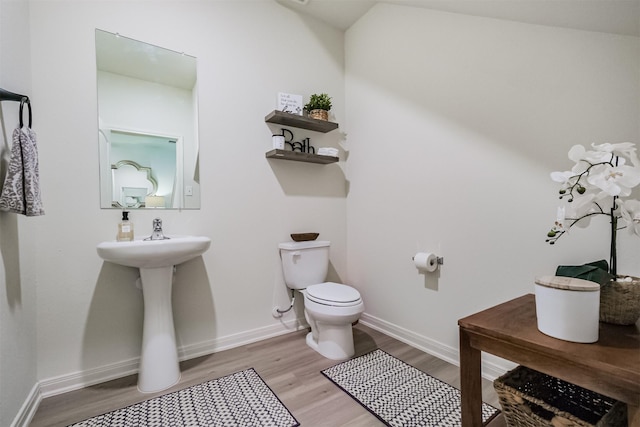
(159, 368)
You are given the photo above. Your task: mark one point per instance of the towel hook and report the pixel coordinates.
(22, 102)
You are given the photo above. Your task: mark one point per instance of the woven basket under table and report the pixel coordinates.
(532, 399)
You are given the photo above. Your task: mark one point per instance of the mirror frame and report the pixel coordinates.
(139, 168)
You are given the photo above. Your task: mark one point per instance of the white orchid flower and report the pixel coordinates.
(583, 218)
(562, 177)
(577, 153)
(598, 184)
(622, 150)
(583, 208)
(580, 168)
(595, 157)
(615, 181)
(630, 211)
(584, 159)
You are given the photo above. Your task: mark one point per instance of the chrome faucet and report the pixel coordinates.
(157, 231)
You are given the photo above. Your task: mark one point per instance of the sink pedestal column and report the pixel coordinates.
(159, 368)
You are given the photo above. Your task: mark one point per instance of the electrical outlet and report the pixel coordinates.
(188, 190)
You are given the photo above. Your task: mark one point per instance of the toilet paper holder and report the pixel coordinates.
(439, 260)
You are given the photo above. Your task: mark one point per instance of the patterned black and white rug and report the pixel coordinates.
(399, 394)
(240, 399)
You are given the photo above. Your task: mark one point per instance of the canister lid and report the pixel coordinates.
(567, 283)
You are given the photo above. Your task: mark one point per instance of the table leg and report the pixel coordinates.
(470, 382)
(633, 415)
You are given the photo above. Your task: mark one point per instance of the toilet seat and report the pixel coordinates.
(333, 294)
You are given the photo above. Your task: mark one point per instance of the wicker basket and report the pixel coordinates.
(304, 237)
(319, 114)
(533, 399)
(620, 302)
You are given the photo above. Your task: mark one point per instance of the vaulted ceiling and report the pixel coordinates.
(610, 16)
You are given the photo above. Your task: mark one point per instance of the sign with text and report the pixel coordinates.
(290, 103)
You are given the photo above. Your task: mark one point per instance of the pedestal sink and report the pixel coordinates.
(159, 368)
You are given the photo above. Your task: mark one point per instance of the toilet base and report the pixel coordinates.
(335, 343)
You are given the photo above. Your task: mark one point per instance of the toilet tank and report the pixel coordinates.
(304, 263)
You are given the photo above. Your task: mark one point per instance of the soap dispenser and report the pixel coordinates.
(125, 229)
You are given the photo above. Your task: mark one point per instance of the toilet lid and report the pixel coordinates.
(330, 293)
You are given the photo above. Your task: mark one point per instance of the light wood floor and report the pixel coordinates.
(285, 363)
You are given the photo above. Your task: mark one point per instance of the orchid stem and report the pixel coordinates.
(613, 256)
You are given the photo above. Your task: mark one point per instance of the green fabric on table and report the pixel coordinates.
(597, 271)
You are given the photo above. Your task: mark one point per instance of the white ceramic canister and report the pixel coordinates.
(568, 308)
(278, 142)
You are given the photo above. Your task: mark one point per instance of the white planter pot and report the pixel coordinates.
(568, 308)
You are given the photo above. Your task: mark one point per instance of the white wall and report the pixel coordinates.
(455, 123)
(89, 312)
(18, 365)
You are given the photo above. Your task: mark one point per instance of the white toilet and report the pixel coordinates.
(330, 308)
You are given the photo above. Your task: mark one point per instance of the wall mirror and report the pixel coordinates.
(147, 125)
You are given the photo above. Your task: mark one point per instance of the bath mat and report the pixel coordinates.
(240, 399)
(399, 394)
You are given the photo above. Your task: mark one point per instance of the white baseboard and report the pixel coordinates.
(449, 354)
(236, 340)
(80, 379)
(29, 408)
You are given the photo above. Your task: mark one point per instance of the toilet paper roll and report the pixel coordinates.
(425, 261)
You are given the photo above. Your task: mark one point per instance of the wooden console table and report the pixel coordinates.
(509, 330)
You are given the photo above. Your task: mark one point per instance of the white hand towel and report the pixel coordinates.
(21, 188)
(328, 151)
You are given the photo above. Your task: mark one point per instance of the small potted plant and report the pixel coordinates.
(601, 183)
(318, 106)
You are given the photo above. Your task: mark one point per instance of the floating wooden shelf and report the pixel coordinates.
(287, 119)
(300, 157)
